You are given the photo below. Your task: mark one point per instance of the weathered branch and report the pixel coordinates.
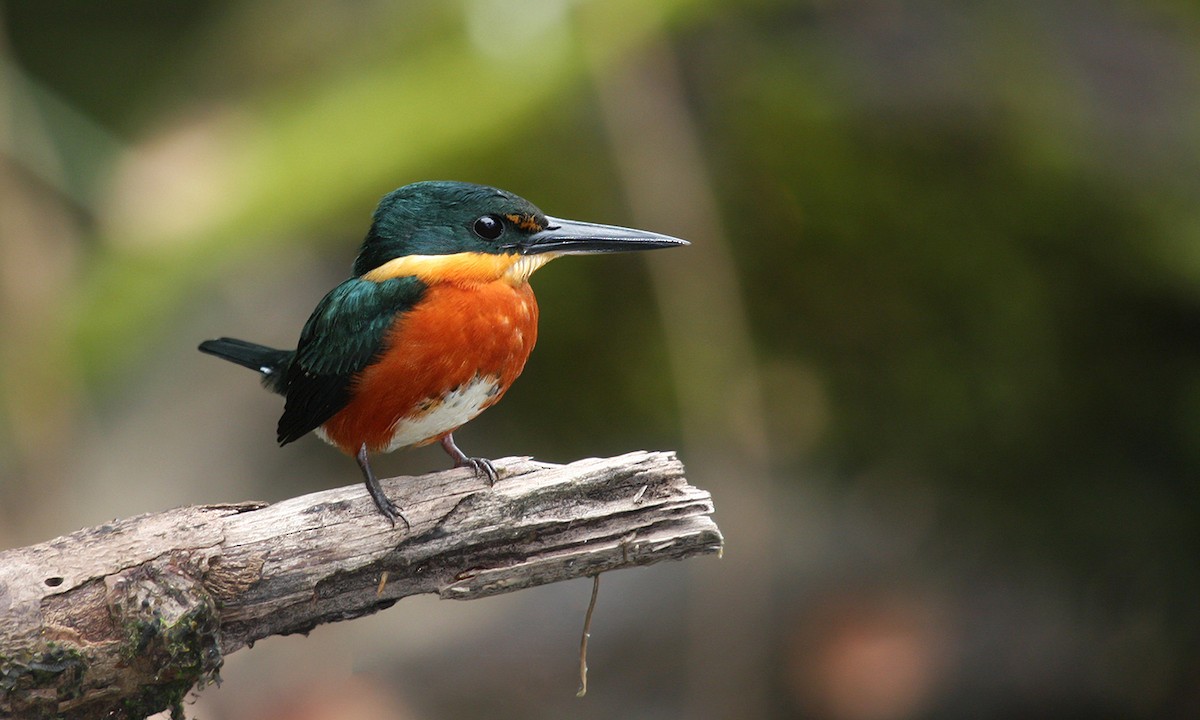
(122, 620)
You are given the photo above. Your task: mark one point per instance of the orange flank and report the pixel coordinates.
(446, 360)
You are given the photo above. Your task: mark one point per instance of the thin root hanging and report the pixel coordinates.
(587, 632)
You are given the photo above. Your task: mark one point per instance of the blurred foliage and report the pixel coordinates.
(281, 153)
(976, 225)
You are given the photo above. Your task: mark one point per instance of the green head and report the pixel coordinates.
(445, 217)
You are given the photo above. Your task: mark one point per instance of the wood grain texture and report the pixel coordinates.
(123, 619)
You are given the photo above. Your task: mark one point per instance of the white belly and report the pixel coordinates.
(455, 409)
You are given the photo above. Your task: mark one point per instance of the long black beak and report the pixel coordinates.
(570, 237)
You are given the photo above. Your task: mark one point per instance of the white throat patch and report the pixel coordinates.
(524, 267)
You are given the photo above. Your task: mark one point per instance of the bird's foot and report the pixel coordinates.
(390, 510)
(480, 466)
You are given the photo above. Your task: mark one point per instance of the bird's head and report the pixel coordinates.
(436, 226)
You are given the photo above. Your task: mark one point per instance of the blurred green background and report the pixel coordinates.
(935, 349)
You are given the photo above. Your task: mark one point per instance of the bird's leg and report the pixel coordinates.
(389, 509)
(481, 466)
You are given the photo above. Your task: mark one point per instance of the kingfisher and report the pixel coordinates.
(433, 326)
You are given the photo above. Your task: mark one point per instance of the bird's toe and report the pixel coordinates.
(485, 467)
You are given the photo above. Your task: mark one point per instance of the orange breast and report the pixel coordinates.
(448, 359)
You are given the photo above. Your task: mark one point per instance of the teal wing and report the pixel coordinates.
(344, 335)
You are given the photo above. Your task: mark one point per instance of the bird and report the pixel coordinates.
(435, 323)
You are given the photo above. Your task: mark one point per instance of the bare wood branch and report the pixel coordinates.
(122, 620)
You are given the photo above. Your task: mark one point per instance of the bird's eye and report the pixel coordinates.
(488, 227)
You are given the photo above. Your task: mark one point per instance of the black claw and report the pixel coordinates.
(390, 510)
(481, 466)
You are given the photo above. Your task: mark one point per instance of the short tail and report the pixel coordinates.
(271, 363)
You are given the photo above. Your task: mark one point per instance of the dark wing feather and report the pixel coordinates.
(344, 335)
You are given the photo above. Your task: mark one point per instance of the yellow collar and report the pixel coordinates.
(466, 267)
